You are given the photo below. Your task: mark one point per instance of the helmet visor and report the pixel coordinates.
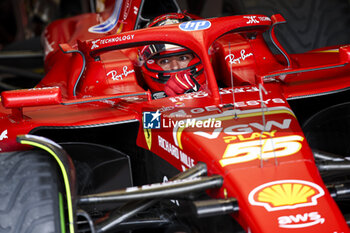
(165, 58)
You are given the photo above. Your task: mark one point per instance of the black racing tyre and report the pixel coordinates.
(29, 193)
(310, 24)
(328, 130)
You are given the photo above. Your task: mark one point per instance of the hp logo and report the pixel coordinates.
(195, 25)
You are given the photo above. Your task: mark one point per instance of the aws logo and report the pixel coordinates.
(285, 194)
(300, 220)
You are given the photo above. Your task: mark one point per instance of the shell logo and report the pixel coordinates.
(285, 194)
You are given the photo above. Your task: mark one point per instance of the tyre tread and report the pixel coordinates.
(28, 193)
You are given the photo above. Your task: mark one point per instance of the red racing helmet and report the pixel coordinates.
(155, 76)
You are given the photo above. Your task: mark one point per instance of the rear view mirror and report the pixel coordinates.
(344, 53)
(31, 97)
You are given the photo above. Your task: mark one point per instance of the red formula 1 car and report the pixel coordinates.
(89, 150)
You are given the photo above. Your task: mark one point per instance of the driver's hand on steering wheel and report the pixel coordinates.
(180, 83)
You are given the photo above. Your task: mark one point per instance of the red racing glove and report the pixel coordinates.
(180, 83)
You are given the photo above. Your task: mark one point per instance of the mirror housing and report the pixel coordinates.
(344, 54)
(31, 97)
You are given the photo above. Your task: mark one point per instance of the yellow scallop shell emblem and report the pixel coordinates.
(285, 194)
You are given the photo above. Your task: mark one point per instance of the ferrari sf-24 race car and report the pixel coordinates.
(89, 150)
